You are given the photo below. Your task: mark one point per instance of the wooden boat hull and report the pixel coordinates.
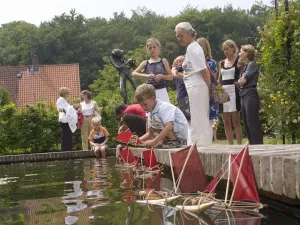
(196, 208)
(162, 201)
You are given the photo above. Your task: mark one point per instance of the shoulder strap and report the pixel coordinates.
(147, 62)
(222, 63)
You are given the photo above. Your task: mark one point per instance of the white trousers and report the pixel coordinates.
(189, 140)
(162, 94)
(201, 129)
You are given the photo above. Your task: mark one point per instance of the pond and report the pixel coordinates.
(94, 191)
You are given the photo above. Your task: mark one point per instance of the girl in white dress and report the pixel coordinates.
(228, 77)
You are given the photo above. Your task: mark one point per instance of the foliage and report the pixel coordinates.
(4, 96)
(279, 82)
(32, 129)
(72, 38)
(35, 128)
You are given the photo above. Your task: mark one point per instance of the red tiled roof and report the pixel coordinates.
(40, 86)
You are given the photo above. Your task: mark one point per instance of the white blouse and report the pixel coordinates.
(194, 62)
(61, 103)
(88, 109)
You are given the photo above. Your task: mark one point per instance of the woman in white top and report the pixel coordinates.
(62, 107)
(89, 109)
(196, 78)
(228, 77)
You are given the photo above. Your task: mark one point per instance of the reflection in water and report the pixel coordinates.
(89, 190)
(170, 215)
(93, 191)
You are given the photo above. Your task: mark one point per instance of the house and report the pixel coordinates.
(27, 86)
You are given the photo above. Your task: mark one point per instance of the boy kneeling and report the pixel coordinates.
(164, 119)
(98, 138)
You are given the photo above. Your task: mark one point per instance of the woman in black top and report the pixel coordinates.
(249, 97)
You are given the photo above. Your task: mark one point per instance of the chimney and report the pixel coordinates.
(35, 64)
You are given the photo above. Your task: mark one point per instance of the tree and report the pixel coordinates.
(17, 43)
(280, 63)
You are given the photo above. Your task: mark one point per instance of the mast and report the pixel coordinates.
(237, 177)
(172, 171)
(228, 178)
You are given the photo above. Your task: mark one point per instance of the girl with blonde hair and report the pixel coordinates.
(228, 77)
(157, 70)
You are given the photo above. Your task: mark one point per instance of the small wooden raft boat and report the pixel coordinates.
(244, 195)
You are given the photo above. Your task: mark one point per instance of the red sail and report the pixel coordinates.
(150, 159)
(193, 178)
(246, 189)
(128, 156)
(211, 187)
(153, 182)
(124, 137)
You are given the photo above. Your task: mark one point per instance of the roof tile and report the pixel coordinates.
(40, 86)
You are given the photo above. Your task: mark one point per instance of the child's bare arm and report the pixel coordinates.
(162, 135)
(148, 135)
(168, 75)
(138, 71)
(105, 141)
(92, 143)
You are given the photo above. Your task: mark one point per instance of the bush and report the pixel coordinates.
(32, 129)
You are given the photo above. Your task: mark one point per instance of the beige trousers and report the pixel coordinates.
(86, 128)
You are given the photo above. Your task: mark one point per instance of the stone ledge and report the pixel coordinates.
(37, 157)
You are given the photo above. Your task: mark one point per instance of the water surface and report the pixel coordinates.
(94, 191)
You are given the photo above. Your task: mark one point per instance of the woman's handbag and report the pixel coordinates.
(217, 92)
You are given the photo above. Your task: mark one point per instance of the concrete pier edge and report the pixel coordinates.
(49, 156)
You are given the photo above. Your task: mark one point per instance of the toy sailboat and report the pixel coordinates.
(244, 195)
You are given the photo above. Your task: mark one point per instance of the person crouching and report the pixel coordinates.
(98, 138)
(164, 119)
